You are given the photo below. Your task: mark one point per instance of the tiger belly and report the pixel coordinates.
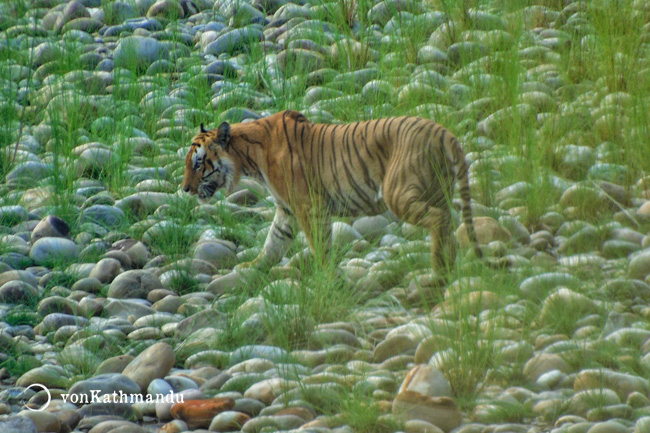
(359, 202)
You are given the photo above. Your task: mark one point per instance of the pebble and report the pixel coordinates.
(50, 226)
(18, 424)
(17, 292)
(152, 363)
(134, 284)
(544, 363)
(426, 380)
(443, 412)
(105, 270)
(144, 50)
(106, 384)
(49, 250)
(639, 265)
(199, 413)
(487, 230)
(228, 421)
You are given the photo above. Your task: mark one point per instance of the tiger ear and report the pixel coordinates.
(203, 128)
(223, 135)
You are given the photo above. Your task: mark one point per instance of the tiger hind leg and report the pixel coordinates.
(443, 245)
(437, 221)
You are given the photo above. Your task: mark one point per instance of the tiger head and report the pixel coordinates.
(208, 167)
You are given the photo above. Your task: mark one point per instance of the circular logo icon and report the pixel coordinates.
(38, 387)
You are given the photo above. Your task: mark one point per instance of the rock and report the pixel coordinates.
(608, 427)
(134, 249)
(234, 41)
(371, 228)
(199, 413)
(53, 304)
(642, 425)
(117, 426)
(343, 234)
(273, 423)
(426, 380)
(538, 286)
(163, 408)
(54, 321)
(90, 285)
(228, 421)
(587, 200)
(134, 284)
(18, 292)
(487, 230)
(419, 426)
(105, 270)
(563, 299)
(273, 354)
(108, 409)
(543, 363)
(53, 250)
(50, 226)
(176, 426)
(159, 386)
(46, 52)
(22, 276)
(267, 390)
(73, 10)
(639, 265)
(29, 171)
(463, 53)
(51, 376)
(622, 383)
(152, 363)
(106, 384)
(104, 215)
(393, 346)
(583, 401)
(170, 9)
(84, 24)
(299, 61)
(443, 412)
(138, 51)
(117, 12)
(615, 248)
(383, 11)
(17, 424)
(115, 364)
(215, 253)
(208, 318)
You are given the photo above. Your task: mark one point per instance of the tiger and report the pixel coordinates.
(408, 165)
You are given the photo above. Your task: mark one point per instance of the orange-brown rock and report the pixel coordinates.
(199, 413)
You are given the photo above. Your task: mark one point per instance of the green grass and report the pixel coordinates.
(597, 77)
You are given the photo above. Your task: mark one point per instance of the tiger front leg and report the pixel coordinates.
(277, 241)
(316, 224)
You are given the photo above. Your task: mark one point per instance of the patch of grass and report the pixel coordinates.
(22, 316)
(182, 282)
(354, 407)
(363, 414)
(60, 278)
(18, 363)
(508, 412)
